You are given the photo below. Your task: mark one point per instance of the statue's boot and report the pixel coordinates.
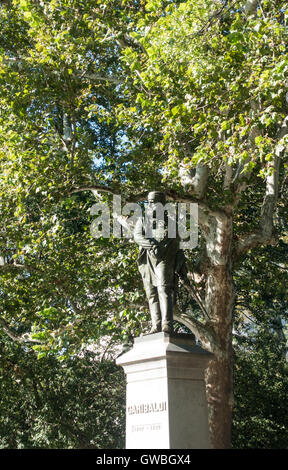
(154, 308)
(166, 300)
(156, 318)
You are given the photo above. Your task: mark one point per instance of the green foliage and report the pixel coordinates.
(260, 417)
(58, 130)
(197, 81)
(260, 345)
(51, 404)
(124, 94)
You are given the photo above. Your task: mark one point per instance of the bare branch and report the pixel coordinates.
(265, 233)
(123, 41)
(18, 62)
(95, 188)
(128, 41)
(228, 176)
(26, 338)
(171, 194)
(194, 184)
(195, 296)
(204, 332)
(8, 266)
(251, 7)
(242, 176)
(200, 180)
(216, 15)
(100, 77)
(203, 210)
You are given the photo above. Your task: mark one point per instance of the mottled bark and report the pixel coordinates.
(219, 302)
(219, 378)
(194, 181)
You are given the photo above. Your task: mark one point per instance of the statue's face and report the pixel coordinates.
(153, 198)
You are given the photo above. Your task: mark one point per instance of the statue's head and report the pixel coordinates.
(156, 196)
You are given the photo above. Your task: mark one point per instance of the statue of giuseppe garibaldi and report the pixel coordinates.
(160, 261)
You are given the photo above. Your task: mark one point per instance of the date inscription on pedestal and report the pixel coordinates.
(146, 427)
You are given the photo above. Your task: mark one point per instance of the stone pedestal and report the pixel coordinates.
(166, 405)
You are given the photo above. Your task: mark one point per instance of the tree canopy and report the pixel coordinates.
(99, 98)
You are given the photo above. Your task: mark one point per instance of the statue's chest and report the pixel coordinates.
(159, 231)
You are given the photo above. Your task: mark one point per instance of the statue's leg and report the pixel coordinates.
(154, 307)
(166, 298)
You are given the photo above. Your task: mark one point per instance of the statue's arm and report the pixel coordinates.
(139, 238)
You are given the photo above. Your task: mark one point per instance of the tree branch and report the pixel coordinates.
(204, 210)
(195, 184)
(200, 180)
(217, 15)
(7, 266)
(94, 189)
(251, 7)
(100, 77)
(195, 296)
(227, 176)
(26, 338)
(204, 332)
(264, 235)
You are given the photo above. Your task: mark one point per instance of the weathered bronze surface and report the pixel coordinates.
(159, 260)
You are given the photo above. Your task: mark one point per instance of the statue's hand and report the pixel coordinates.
(156, 251)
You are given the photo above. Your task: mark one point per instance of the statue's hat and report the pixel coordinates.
(158, 196)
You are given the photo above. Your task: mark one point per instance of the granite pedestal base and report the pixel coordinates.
(166, 406)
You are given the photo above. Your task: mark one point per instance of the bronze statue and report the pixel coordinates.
(159, 260)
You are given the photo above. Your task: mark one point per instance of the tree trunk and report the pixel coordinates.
(219, 300)
(219, 379)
